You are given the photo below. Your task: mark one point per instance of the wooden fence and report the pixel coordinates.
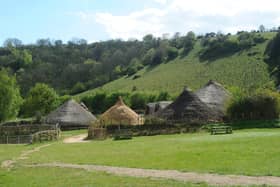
(24, 134)
(19, 139)
(27, 129)
(40, 136)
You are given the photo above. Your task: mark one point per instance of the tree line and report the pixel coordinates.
(77, 66)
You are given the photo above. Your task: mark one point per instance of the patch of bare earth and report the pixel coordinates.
(81, 138)
(211, 179)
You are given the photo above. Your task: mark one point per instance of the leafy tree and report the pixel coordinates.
(273, 54)
(273, 49)
(41, 98)
(12, 42)
(188, 42)
(117, 71)
(148, 57)
(172, 53)
(163, 96)
(148, 41)
(44, 42)
(158, 57)
(262, 28)
(78, 88)
(10, 99)
(138, 101)
(134, 66)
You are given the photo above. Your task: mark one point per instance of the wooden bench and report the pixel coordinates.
(221, 130)
(123, 135)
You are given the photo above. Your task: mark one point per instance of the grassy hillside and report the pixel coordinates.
(245, 69)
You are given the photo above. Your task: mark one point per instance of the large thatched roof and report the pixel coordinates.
(120, 114)
(215, 96)
(71, 114)
(152, 108)
(188, 108)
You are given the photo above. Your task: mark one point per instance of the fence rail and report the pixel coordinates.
(19, 139)
(25, 134)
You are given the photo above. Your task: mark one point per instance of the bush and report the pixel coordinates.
(96, 103)
(63, 99)
(262, 105)
(101, 101)
(138, 101)
(172, 53)
(163, 96)
(78, 88)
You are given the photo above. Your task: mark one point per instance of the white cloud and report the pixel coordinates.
(185, 15)
(161, 1)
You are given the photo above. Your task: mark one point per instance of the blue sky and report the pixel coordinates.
(96, 20)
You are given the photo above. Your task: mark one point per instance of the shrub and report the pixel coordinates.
(96, 103)
(261, 105)
(172, 53)
(78, 88)
(101, 101)
(163, 96)
(138, 101)
(63, 99)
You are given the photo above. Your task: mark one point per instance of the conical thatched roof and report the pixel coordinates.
(188, 108)
(215, 96)
(120, 114)
(71, 114)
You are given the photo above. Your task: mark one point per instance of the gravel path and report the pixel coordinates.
(76, 139)
(211, 179)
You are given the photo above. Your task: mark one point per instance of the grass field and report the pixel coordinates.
(240, 69)
(246, 152)
(59, 177)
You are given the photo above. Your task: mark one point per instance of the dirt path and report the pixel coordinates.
(8, 164)
(76, 139)
(211, 179)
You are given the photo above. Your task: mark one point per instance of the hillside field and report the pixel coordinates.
(245, 69)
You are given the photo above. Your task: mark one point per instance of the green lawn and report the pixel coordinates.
(59, 177)
(8, 152)
(248, 152)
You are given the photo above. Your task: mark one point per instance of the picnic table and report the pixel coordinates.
(123, 135)
(221, 130)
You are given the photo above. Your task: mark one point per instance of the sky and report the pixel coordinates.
(96, 20)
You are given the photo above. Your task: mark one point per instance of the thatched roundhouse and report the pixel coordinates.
(188, 108)
(71, 115)
(153, 108)
(215, 96)
(120, 114)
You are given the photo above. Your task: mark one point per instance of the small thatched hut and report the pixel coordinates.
(71, 115)
(120, 114)
(153, 108)
(188, 108)
(215, 96)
